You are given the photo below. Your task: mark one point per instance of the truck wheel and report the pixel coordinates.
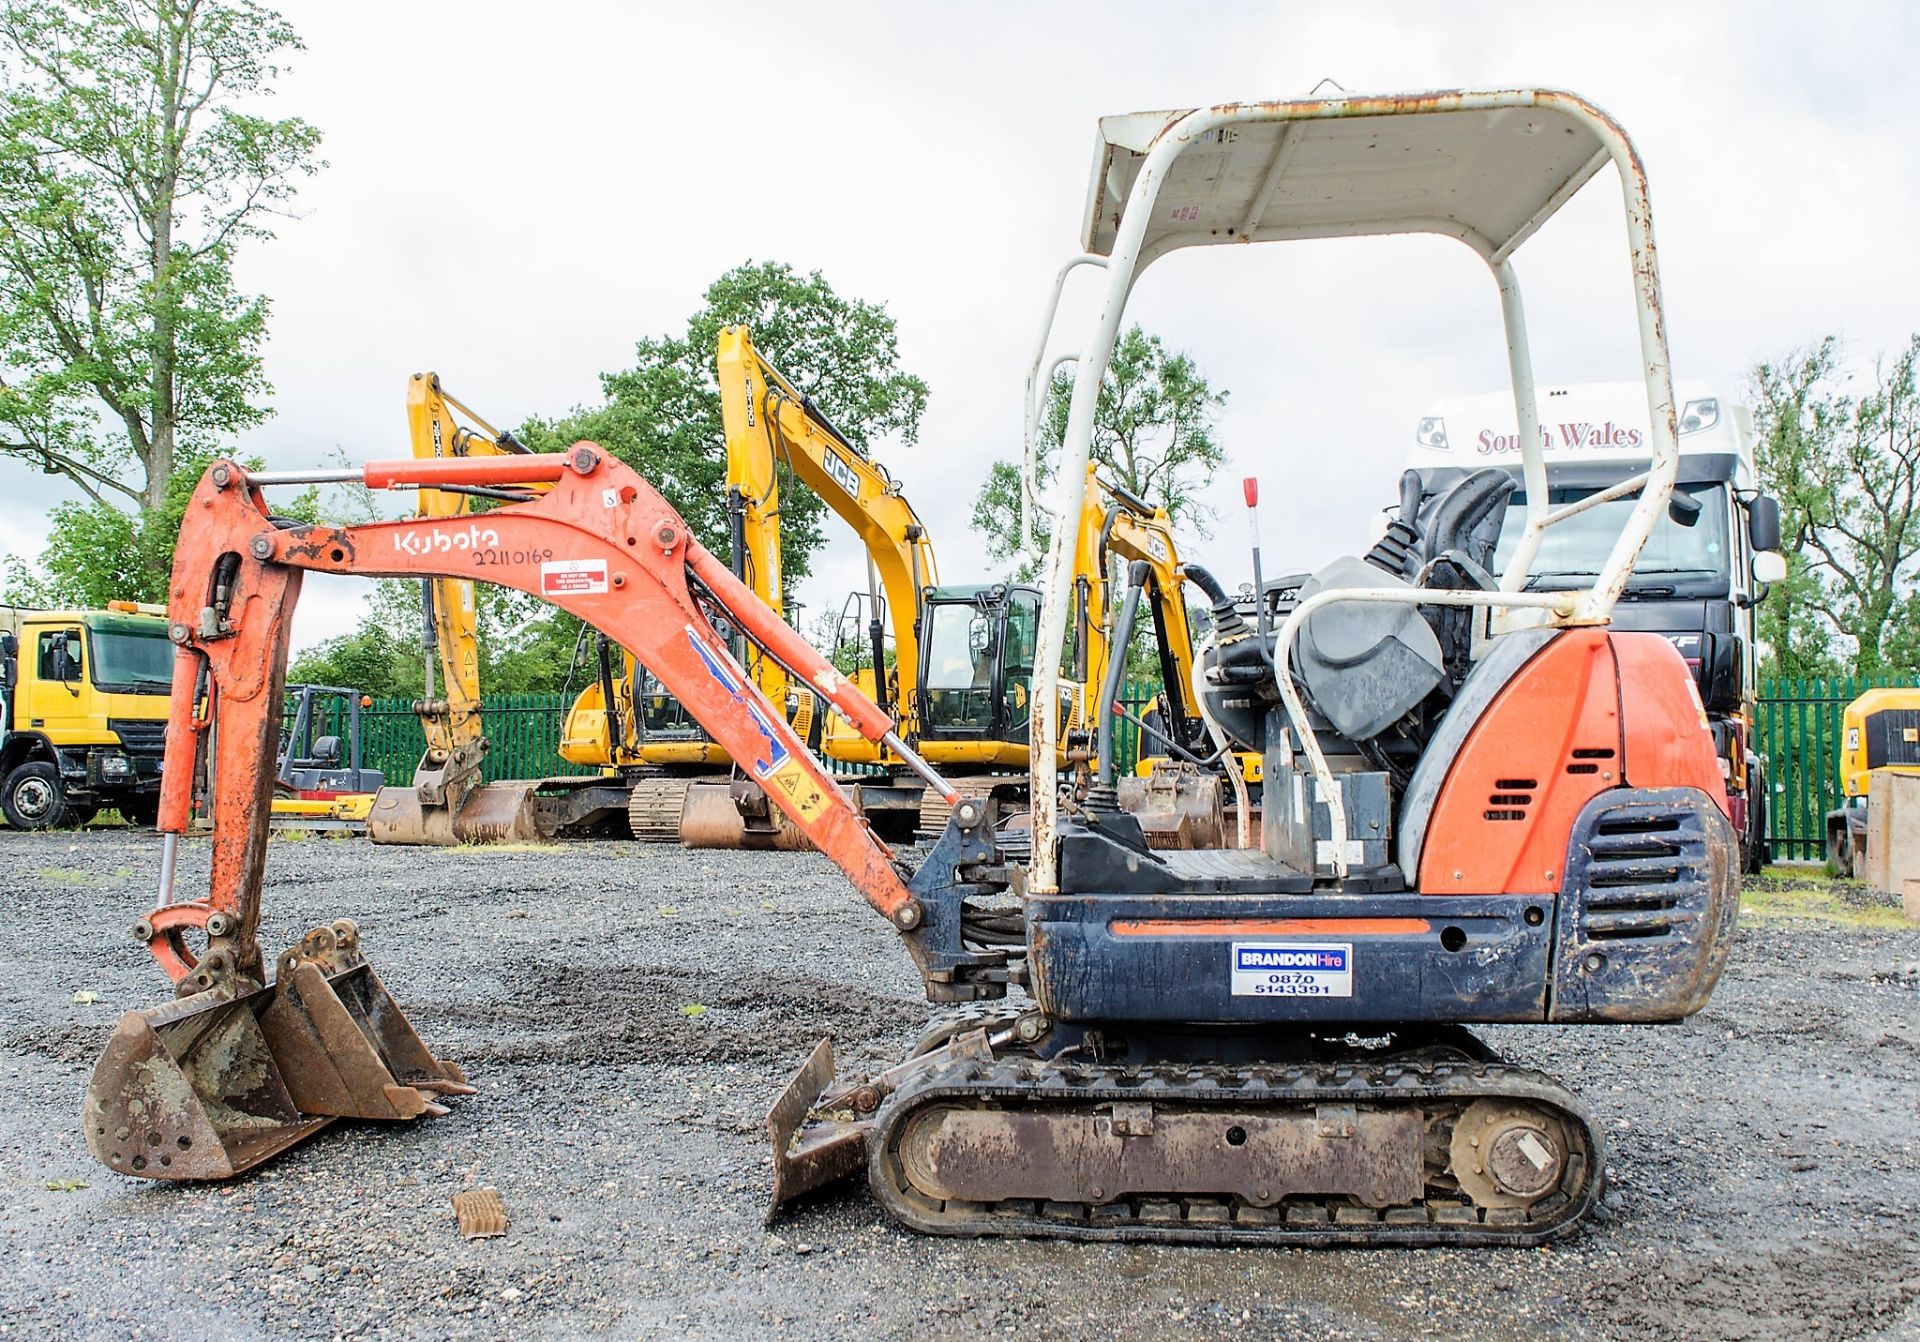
(1753, 849)
(32, 797)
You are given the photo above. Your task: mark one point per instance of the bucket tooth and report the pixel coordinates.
(812, 1150)
(191, 1089)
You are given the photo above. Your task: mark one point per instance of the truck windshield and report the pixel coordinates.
(1577, 548)
(132, 663)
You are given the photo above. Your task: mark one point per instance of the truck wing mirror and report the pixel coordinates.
(1763, 522)
(1769, 566)
(1683, 508)
(65, 659)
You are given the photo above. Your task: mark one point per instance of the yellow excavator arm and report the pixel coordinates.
(768, 422)
(439, 426)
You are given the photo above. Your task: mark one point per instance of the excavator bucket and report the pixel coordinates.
(492, 813)
(737, 815)
(190, 1090)
(210, 1085)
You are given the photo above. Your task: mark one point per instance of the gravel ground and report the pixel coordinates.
(1764, 1164)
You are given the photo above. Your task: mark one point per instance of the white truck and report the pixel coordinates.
(1705, 566)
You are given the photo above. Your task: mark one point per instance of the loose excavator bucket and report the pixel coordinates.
(491, 813)
(737, 815)
(210, 1085)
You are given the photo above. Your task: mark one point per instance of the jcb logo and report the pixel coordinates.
(475, 537)
(842, 474)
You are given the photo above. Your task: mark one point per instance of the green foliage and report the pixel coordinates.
(662, 416)
(130, 166)
(1846, 470)
(1153, 434)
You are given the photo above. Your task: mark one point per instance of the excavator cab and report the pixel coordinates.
(977, 663)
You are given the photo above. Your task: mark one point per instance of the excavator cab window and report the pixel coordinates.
(963, 684)
(1022, 638)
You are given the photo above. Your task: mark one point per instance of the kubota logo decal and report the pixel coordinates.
(475, 537)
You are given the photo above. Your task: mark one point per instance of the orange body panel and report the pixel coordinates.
(1593, 710)
(1665, 720)
(1549, 741)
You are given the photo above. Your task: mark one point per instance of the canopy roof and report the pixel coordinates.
(1488, 168)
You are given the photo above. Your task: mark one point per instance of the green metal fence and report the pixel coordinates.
(1797, 731)
(523, 729)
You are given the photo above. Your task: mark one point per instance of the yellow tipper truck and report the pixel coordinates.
(83, 713)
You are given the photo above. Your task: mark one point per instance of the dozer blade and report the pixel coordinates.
(829, 1148)
(213, 1084)
(190, 1090)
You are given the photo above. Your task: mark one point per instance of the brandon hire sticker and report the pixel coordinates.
(559, 577)
(1292, 969)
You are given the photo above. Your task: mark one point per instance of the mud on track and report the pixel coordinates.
(628, 1012)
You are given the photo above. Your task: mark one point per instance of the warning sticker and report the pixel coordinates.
(799, 786)
(1292, 969)
(573, 577)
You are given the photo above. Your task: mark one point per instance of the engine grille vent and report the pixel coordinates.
(1586, 759)
(141, 736)
(1640, 869)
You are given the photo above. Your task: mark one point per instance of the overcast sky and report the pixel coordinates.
(515, 194)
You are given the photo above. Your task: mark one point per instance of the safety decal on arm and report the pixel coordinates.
(565, 577)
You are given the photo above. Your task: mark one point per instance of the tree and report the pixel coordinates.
(1847, 472)
(1798, 422)
(129, 172)
(526, 647)
(1153, 434)
(662, 416)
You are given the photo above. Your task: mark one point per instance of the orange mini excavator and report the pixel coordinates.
(1483, 803)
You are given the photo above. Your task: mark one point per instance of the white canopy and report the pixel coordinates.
(1486, 173)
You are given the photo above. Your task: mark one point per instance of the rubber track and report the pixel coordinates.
(1193, 1219)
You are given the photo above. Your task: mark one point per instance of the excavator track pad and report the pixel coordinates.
(1414, 1153)
(212, 1084)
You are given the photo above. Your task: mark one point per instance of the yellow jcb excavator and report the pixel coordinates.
(957, 684)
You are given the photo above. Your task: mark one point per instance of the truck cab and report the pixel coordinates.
(1704, 568)
(83, 714)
